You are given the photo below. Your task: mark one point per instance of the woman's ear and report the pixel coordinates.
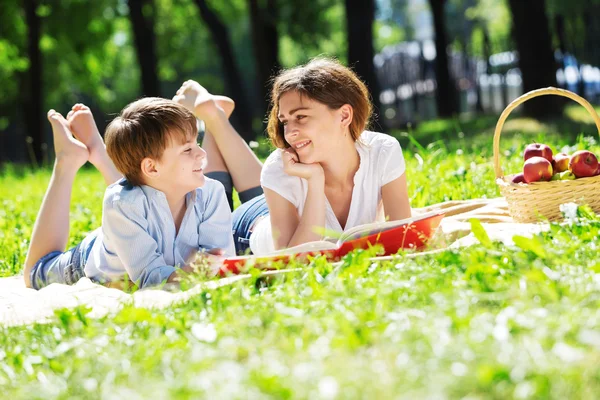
(346, 113)
(149, 169)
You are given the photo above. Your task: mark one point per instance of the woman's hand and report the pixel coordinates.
(292, 166)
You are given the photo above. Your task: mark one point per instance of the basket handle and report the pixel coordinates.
(530, 95)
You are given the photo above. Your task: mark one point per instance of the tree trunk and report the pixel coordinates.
(265, 39)
(536, 58)
(359, 25)
(446, 95)
(141, 15)
(559, 26)
(33, 94)
(242, 117)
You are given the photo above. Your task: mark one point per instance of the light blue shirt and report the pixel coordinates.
(138, 235)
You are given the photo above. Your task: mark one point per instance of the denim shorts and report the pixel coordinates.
(63, 267)
(244, 218)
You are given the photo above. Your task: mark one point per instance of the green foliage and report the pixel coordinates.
(492, 15)
(488, 321)
(310, 29)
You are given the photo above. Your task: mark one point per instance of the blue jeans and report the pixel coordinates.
(63, 267)
(244, 218)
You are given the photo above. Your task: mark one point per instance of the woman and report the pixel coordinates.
(328, 173)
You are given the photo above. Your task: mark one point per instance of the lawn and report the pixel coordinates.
(486, 322)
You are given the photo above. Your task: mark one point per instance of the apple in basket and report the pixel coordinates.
(563, 176)
(537, 169)
(583, 163)
(537, 150)
(518, 178)
(560, 162)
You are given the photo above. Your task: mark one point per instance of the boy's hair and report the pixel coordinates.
(144, 129)
(328, 82)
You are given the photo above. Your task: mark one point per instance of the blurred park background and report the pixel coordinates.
(422, 59)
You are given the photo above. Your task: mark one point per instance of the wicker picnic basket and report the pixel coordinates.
(541, 200)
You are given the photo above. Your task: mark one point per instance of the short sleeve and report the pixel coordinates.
(391, 160)
(273, 177)
(214, 214)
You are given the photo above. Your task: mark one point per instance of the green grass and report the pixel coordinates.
(485, 322)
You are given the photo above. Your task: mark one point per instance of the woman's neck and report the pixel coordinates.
(341, 166)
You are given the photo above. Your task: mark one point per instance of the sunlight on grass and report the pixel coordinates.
(489, 321)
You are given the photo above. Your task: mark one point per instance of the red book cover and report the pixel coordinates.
(410, 233)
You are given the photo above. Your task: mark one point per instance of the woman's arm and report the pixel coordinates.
(289, 229)
(395, 199)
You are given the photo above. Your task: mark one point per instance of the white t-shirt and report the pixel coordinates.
(381, 161)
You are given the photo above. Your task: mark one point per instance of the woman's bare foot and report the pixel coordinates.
(226, 103)
(198, 100)
(84, 127)
(69, 151)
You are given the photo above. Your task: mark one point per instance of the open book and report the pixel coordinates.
(409, 233)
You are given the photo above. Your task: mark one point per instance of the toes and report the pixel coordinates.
(80, 106)
(55, 116)
(70, 114)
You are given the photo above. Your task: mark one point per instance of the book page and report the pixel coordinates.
(367, 229)
(305, 248)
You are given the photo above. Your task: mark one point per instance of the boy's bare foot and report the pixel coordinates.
(198, 100)
(69, 151)
(84, 127)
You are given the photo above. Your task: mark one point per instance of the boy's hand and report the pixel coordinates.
(209, 261)
(292, 166)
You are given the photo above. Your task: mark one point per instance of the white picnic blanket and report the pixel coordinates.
(20, 305)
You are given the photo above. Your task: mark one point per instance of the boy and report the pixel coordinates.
(154, 219)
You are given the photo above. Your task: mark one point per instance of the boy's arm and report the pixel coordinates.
(129, 245)
(215, 230)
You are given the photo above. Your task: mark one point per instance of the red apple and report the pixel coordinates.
(598, 170)
(537, 150)
(537, 169)
(560, 162)
(583, 163)
(518, 178)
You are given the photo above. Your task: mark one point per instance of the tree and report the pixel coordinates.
(242, 117)
(141, 15)
(265, 39)
(536, 59)
(446, 96)
(33, 95)
(359, 24)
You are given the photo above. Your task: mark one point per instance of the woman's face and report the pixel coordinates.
(311, 128)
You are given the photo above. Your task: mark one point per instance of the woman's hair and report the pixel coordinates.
(328, 82)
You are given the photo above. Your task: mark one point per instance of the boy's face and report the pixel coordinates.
(182, 165)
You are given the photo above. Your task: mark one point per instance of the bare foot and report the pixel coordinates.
(198, 100)
(84, 127)
(69, 151)
(226, 103)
